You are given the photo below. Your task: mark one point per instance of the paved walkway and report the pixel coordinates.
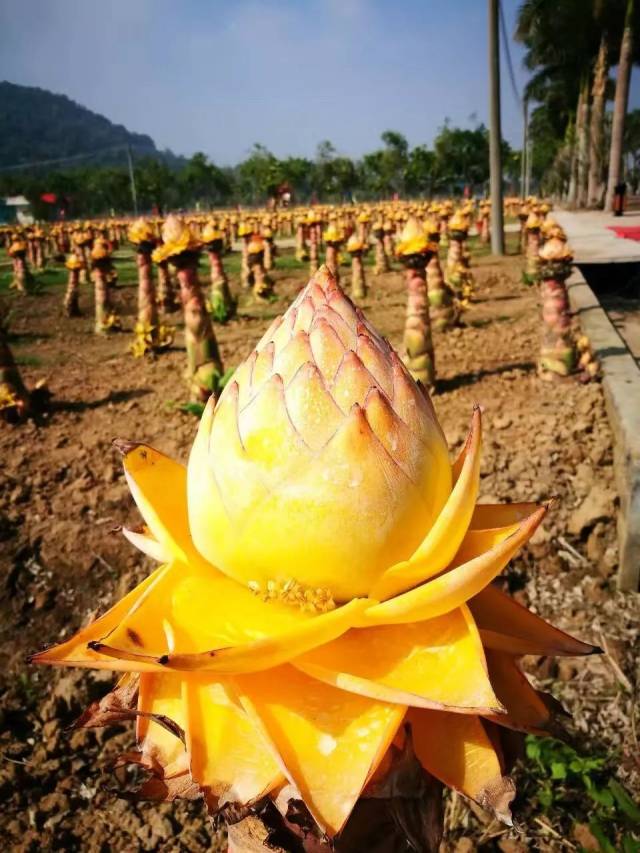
(592, 240)
(611, 321)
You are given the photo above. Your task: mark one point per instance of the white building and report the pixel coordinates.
(21, 208)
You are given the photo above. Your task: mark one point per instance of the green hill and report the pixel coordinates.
(39, 125)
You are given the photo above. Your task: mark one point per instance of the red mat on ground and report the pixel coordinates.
(629, 232)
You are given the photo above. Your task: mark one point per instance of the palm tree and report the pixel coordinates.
(620, 104)
(598, 95)
(559, 39)
(568, 48)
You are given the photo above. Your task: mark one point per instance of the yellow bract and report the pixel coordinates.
(329, 741)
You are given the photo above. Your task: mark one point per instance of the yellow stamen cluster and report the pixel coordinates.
(291, 591)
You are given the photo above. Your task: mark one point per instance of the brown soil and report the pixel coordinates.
(62, 493)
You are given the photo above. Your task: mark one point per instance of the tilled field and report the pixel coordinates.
(62, 493)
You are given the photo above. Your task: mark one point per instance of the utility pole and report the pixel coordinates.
(524, 154)
(495, 132)
(132, 179)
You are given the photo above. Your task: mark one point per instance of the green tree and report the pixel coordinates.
(421, 173)
(259, 176)
(462, 157)
(203, 182)
(156, 184)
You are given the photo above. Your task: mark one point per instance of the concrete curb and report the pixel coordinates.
(621, 383)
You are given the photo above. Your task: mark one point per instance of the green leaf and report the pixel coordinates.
(192, 408)
(630, 844)
(545, 795)
(624, 801)
(598, 832)
(602, 796)
(558, 770)
(533, 747)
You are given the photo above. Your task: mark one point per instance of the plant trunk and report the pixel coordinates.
(572, 195)
(38, 254)
(583, 145)
(261, 282)
(105, 320)
(331, 260)
(245, 270)
(147, 305)
(268, 255)
(358, 283)
(83, 254)
(418, 345)
(455, 266)
(150, 336)
(222, 305)
(557, 353)
(442, 309)
(204, 364)
(21, 274)
(313, 253)
(596, 135)
(532, 267)
(15, 400)
(71, 306)
(381, 257)
(620, 106)
(302, 252)
(166, 296)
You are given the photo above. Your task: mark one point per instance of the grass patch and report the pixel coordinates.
(582, 788)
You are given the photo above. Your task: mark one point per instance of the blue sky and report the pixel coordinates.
(217, 77)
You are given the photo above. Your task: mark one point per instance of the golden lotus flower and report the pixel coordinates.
(459, 222)
(177, 238)
(326, 576)
(256, 245)
(210, 233)
(101, 250)
(333, 234)
(82, 237)
(414, 241)
(551, 228)
(17, 247)
(354, 243)
(73, 262)
(431, 228)
(555, 249)
(533, 222)
(141, 231)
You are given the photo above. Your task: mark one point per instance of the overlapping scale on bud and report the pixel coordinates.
(322, 462)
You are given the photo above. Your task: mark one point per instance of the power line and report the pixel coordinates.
(70, 159)
(505, 41)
